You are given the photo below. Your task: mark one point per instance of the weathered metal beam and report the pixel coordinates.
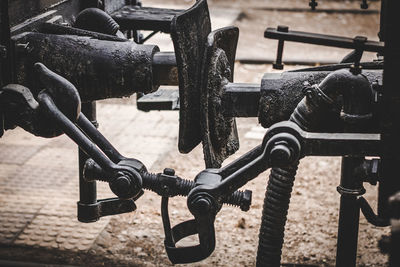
(241, 100)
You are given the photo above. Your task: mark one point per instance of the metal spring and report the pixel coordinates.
(275, 209)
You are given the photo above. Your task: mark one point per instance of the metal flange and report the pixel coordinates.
(189, 31)
(220, 137)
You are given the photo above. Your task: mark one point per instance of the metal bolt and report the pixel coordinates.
(200, 205)
(377, 85)
(359, 42)
(364, 4)
(280, 154)
(313, 4)
(245, 201)
(122, 186)
(278, 65)
(169, 171)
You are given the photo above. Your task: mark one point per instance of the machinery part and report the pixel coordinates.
(21, 108)
(364, 4)
(278, 65)
(313, 4)
(125, 176)
(322, 39)
(189, 32)
(276, 205)
(100, 69)
(131, 17)
(323, 102)
(51, 28)
(281, 92)
(285, 143)
(96, 20)
(220, 137)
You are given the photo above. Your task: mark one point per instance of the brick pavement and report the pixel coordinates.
(39, 177)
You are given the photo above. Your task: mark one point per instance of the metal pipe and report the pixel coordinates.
(349, 213)
(87, 190)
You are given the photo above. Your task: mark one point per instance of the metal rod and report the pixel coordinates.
(321, 39)
(349, 213)
(241, 100)
(87, 190)
(304, 61)
(87, 126)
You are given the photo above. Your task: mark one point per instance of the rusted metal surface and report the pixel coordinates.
(100, 69)
(189, 31)
(281, 92)
(220, 137)
(165, 71)
(145, 18)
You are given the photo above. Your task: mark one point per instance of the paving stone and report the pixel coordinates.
(57, 157)
(19, 136)
(62, 232)
(17, 154)
(11, 224)
(6, 170)
(21, 204)
(59, 207)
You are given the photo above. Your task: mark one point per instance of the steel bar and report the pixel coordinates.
(87, 190)
(165, 70)
(349, 213)
(322, 39)
(241, 100)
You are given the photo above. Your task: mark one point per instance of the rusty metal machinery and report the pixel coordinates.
(347, 109)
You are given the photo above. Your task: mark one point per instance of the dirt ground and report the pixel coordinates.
(136, 239)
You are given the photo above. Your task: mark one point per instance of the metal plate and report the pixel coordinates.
(220, 137)
(133, 17)
(189, 32)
